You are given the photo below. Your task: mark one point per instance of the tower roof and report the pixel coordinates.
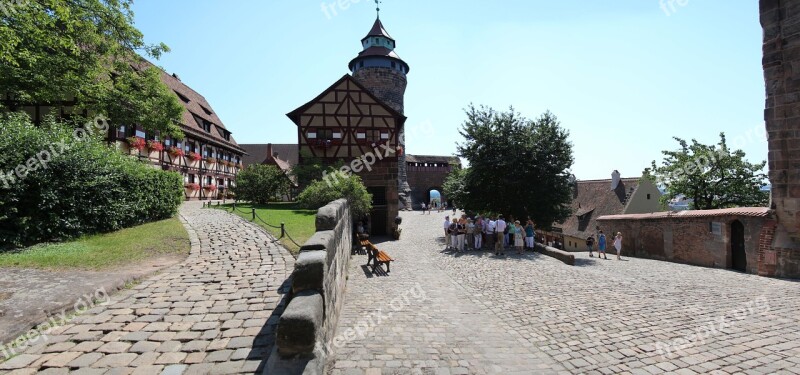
(378, 30)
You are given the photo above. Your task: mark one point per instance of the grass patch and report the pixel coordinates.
(299, 223)
(103, 251)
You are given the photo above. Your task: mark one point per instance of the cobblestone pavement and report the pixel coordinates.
(522, 314)
(214, 313)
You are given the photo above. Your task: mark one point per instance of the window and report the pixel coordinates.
(140, 134)
(394, 65)
(372, 136)
(648, 196)
(182, 97)
(167, 142)
(209, 180)
(361, 64)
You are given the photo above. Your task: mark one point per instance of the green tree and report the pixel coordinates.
(87, 50)
(517, 166)
(58, 184)
(311, 169)
(260, 184)
(454, 187)
(714, 176)
(321, 192)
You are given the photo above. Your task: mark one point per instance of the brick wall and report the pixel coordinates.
(689, 240)
(421, 179)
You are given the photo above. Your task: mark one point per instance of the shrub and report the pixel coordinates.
(260, 184)
(74, 186)
(320, 193)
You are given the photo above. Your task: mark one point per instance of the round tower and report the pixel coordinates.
(380, 70)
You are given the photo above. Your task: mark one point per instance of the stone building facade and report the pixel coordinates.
(781, 63)
(732, 238)
(427, 173)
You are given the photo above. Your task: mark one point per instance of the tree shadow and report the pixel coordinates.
(264, 342)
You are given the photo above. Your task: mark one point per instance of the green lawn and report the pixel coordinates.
(300, 223)
(103, 251)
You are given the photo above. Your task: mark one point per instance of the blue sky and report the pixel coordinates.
(623, 76)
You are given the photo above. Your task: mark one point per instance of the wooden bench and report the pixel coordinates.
(377, 257)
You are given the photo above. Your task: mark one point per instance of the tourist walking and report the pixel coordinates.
(447, 232)
(423, 208)
(519, 237)
(529, 232)
(590, 245)
(601, 245)
(461, 230)
(618, 245)
(500, 229)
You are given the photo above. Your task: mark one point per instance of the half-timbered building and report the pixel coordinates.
(361, 116)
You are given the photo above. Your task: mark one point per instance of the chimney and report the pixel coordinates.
(176, 76)
(614, 179)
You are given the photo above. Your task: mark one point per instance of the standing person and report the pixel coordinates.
(590, 245)
(461, 232)
(478, 234)
(601, 245)
(519, 237)
(618, 245)
(470, 234)
(511, 230)
(529, 232)
(491, 228)
(423, 208)
(499, 248)
(447, 231)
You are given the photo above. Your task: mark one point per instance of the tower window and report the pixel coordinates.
(361, 64)
(394, 65)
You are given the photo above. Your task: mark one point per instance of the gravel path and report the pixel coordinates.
(214, 313)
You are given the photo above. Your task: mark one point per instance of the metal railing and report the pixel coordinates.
(253, 218)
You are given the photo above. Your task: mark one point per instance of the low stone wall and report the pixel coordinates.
(702, 238)
(561, 255)
(307, 326)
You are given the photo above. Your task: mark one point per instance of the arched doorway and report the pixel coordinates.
(434, 198)
(738, 255)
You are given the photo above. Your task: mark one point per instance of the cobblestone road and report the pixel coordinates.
(211, 314)
(532, 314)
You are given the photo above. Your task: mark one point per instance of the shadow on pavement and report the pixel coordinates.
(264, 342)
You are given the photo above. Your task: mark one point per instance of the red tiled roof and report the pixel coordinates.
(287, 152)
(738, 211)
(593, 199)
(198, 106)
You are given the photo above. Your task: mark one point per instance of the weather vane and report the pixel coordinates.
(378, 9)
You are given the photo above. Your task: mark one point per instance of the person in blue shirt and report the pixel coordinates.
(601, 245)
(529, 228)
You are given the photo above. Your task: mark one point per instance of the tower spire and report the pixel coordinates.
(378, 8)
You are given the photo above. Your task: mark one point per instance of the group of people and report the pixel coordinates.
(437, 206)
(601, 245)
(494, 233)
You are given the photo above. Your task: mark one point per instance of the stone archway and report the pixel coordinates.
(435, 196)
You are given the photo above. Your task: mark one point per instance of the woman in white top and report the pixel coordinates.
(618, 244)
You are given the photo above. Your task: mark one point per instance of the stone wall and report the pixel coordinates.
(383, 175)
(690, 240)
(307, 326)
(422, 179)
(781, 63)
